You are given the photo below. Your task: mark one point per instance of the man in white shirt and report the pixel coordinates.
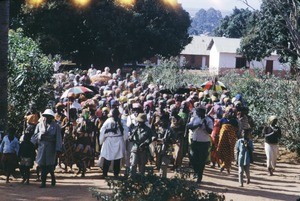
(201, 126)
(92, 71)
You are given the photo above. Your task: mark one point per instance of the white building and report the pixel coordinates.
(219, 54)
(223, 56)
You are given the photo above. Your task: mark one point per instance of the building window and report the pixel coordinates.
(240, 62)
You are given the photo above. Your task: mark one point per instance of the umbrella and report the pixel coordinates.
(76, 90)
(93, 88)
(176, 91)
(211, 85)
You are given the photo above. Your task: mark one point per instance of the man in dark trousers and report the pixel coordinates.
(141, 136)
(201, 126)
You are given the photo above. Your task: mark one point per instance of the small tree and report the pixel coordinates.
(29, 73)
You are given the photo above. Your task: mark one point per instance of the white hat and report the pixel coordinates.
(48, 112)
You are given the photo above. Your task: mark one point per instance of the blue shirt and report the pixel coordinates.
(244, 151)
(8, 146)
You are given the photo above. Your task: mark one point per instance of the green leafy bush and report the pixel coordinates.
(171, 76)
(151, 187)
(270, 95)
(29, 76)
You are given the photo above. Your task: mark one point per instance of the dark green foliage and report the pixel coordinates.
(205, 22)
(105, 33)
(151, 187)
(29, 73)
(237, 24)
(276, 29)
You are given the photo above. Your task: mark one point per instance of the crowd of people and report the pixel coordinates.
(130, 123)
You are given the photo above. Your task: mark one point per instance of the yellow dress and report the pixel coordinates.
(227, 140)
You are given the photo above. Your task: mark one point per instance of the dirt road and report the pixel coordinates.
(284, 185)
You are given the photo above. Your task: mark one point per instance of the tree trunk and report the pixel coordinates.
(4, 23)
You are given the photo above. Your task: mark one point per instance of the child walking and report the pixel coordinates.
(9, 148)
(27, 156)
(244, 149)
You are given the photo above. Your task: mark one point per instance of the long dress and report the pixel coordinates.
(215, 141)
(227, 141)
(67, 157)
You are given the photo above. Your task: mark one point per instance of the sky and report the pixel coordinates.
(223, 5)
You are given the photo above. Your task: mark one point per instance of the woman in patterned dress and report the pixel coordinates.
(69, 125)
(227, 139)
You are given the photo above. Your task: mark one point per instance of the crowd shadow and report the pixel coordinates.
(265, 193)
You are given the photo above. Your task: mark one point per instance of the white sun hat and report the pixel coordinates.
(48, 112)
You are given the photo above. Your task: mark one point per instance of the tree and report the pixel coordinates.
(157, 29)
(205, 22)
(237, 24)
(30, 73)
(4, 23)
(107, 34)
(276, 29)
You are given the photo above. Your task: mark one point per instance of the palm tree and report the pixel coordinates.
(4, 23)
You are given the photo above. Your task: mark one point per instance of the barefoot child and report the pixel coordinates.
(27, 157)
(9, 148)
(244, 148)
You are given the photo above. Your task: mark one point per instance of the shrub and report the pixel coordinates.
(151, 187)
(29, 76)
(170, 75)
(270, 95)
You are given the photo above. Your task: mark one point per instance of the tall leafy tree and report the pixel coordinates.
(205, 22)
(106, 33)
(4, 23)
(237, 24)
(157, 29)
(276, 29)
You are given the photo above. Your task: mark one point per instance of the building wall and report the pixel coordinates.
(222, 61)
(227, 60)
(277, 66)
(214, 58)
